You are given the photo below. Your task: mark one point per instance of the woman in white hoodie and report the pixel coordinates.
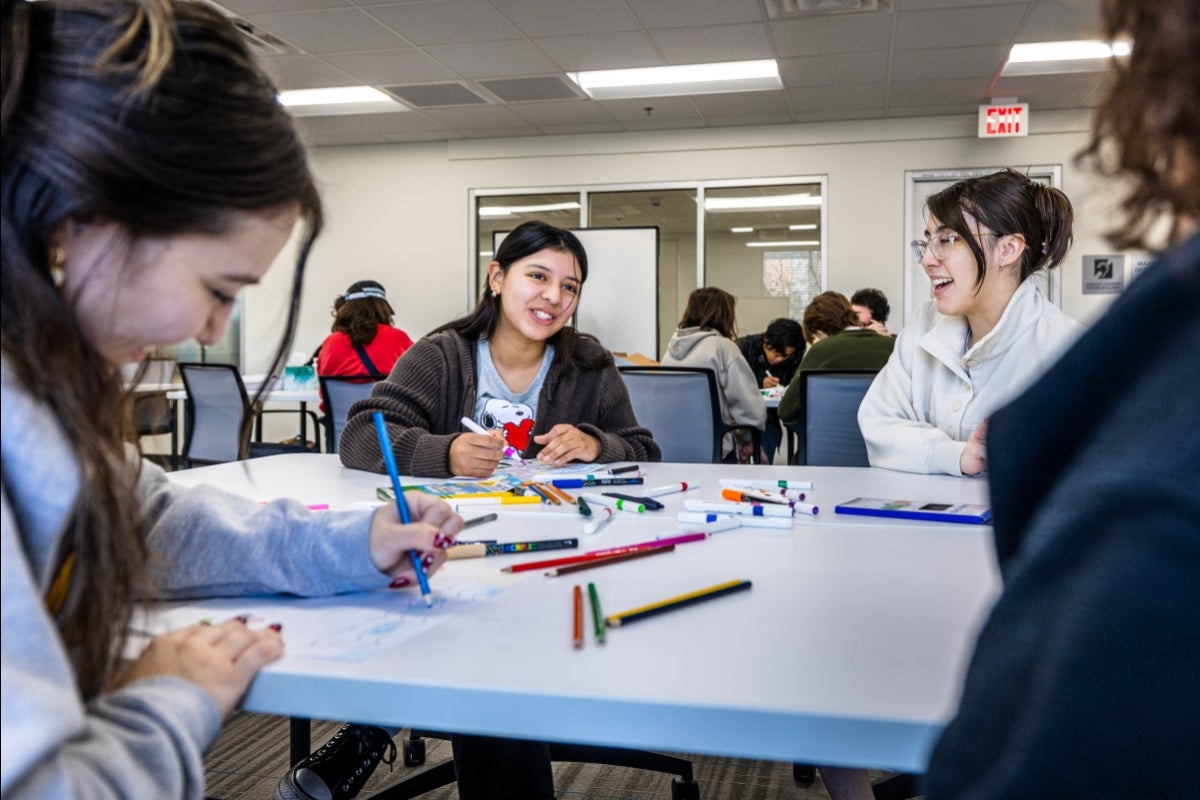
(987, 333)
(707, 337)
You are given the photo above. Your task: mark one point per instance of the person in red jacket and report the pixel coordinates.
(363, 341)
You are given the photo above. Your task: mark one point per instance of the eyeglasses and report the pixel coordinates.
(939, 244)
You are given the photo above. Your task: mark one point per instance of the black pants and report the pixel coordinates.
(502, 769)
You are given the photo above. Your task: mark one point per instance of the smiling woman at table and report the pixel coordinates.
(515, 367)
(131, 221)
(987, 333)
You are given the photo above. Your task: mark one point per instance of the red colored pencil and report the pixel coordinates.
(597, 554)
(601, 562)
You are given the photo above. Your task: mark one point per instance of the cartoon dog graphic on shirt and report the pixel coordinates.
(514, 419)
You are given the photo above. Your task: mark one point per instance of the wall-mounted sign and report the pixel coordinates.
(1003, 119)
(1141, 263)
(1103, 274)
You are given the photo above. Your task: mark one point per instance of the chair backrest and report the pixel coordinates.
(338, 393)
(680, 406)
(831, 399)
(216, 408)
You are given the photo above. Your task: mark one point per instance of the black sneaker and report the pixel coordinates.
(340, 767)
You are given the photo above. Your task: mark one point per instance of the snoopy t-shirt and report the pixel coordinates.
(497, 406)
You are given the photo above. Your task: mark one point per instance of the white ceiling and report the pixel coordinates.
(905, 58)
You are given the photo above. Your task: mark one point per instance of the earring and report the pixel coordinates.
(58, 258)
(495, 294)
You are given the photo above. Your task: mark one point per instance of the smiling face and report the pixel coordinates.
(954, 272)
(538, 294)
(132, 296)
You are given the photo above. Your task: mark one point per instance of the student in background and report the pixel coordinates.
(773, 356)
(871, 306)
(514, 366)
(987, 333)
(131, 221)
(363, 341)
(837, 343)
(706, 338)
(1083, 680)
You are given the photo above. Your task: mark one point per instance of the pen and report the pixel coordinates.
(761, 484)
(503, 548)
(577, 628)
(606, 560)
(649, 503)
(474, 427)
(702, 517)
(592, 555)
(597, 614)
(602, 516)
(804, 508)
(722, 523)
(679, 601)
(579, 483)
(389, 460)
(584, 508)
(621, 470)
(618, 503)
(722, 507)
(479, 520)
(671, 488)
(754, 496)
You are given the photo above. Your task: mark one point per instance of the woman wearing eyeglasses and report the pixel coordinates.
(987, 333)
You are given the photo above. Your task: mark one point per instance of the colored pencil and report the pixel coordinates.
(467, 523)
(389, 460)
(506, 500)
(679, 601)
(506, 548)
(597, 614)
(610, 551)
(577, 628)
(602, 562)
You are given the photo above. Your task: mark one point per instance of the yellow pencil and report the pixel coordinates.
(503, 499)
(671, 603)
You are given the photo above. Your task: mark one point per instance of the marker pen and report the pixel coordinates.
(474, 427)
(704, 517)
(754, 496)
(772, 485)
(613, 502)
(603, 514)
(671, 488)
(749, 509)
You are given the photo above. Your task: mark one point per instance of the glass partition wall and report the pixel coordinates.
(761, 240)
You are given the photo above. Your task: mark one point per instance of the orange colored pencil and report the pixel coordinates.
(577, 634)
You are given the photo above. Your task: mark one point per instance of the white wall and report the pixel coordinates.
(400, 213)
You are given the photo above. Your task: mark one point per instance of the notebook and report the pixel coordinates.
(971, 513)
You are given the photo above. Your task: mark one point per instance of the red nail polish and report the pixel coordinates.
(276, 626)
(243, 618)
(399, 582)
(442, 540)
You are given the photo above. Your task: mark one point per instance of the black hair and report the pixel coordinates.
(1008, 202)
(783, 333)
(875, 300)
(359, 318)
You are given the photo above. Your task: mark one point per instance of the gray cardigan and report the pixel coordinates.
(432, 387)
(148, 738)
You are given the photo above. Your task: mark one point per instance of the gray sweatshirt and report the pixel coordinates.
(147, 739)
(741, 401)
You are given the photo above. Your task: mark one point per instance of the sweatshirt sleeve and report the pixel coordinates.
(145, 740)
(409, 398)
(895, 436)
(744, 400)
(208, 543)
(621, 438)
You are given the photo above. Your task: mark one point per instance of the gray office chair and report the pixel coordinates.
(216, 411)
(681, 407)
(338, 393)
(829, 432)
(152, 413)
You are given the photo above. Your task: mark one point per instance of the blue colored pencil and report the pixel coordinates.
(389, 460)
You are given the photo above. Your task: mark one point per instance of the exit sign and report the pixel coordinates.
(1003, 119)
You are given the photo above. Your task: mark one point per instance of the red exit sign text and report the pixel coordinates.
(1003, 119)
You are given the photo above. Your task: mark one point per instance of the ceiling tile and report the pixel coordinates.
(661, 108)
(846, 33)
(397, 122)
(837, 116)
(433, 95)
(924, 5)
(423, 136)
(343, 139)
(475, 117)
(379, 67)
(948, 62)
(566, 17)
(590, 127)
(661, 124)
(678, 13)
(731, 104)
(264, 6)
(601, 51)
(958, 27)
(523, 90)
(1062, 20)
(835, 68)
(566, 112)
(721, 43)
(939, 92)
(839, 98)
(493, 59)
(305, 72)
(446, 22)
(334, 31)
(498, 133)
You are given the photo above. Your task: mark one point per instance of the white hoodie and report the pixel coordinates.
(741, 402)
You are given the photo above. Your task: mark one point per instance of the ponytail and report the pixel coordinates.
(1057, 217)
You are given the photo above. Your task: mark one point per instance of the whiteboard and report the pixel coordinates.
(619, 304)
(920, 185)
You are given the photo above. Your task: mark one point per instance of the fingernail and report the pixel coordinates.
(442, 540)
(276, 626)
(243, 618)
(399, 583)
(427, 560)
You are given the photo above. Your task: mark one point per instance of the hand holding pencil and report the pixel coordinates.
(432, 530)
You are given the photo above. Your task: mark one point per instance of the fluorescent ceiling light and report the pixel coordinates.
(741, 230)
(809, 227)
(338, 100)
(760, 203)
(783, 244)
(512, 211)
(1047, 58)
(729, 76)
